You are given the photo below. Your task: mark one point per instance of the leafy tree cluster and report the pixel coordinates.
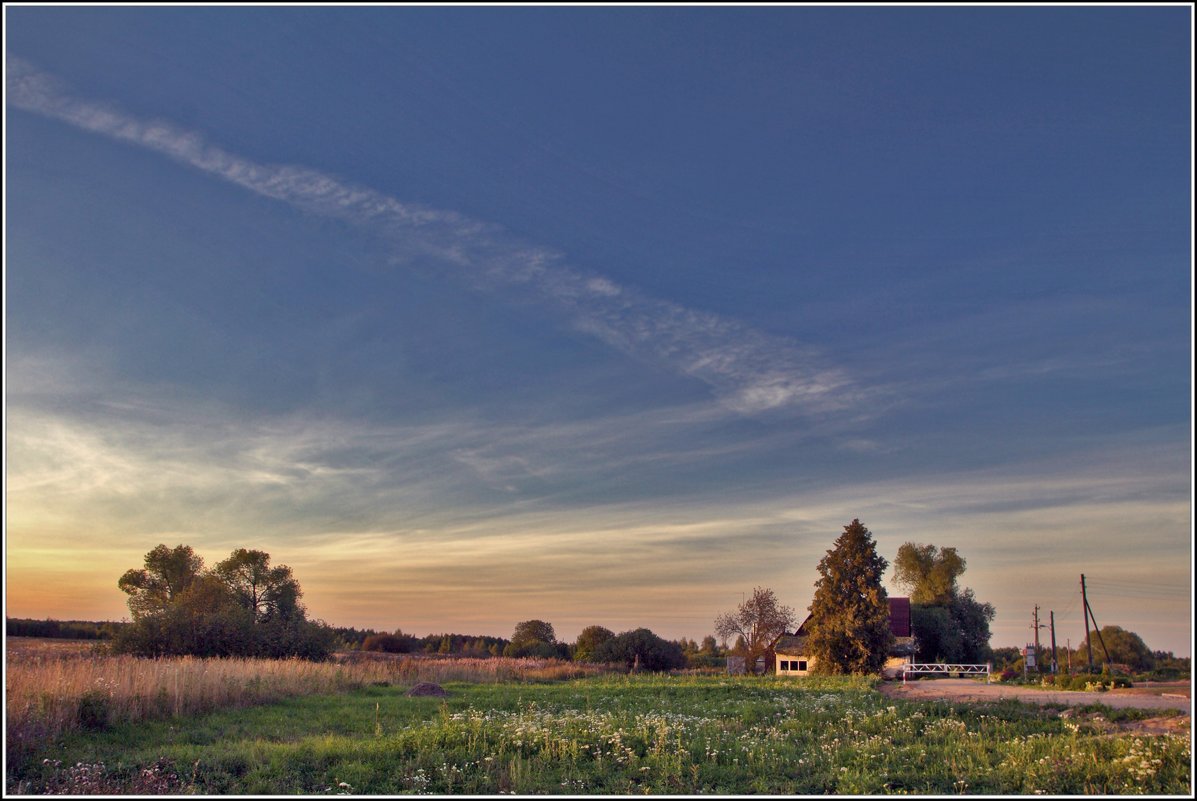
(1126, 648)
(1005, 657)
(640, 649)
(63, 629)
(850, 609)
(1113, 645)
(950, 624)
(706, 654)
(589, 642)
(536, 638)
(241, 607)
(1167, 663)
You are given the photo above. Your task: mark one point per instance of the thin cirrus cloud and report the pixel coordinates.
(196, 474)
(749, 371)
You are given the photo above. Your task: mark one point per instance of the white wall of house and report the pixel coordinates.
(787, 665)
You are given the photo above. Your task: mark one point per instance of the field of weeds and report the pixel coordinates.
(54, 687)
(613, 735)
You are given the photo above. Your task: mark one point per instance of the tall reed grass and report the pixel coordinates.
(47, 695)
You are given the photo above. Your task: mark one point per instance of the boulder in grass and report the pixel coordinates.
(427, 688)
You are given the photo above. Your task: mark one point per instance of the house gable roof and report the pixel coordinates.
(899, 626)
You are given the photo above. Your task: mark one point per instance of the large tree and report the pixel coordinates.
(850, 610)
(972, 618)
(1125, 647)
(533, 638)
(949, 623)
(759, 620)
(265, 591)
(166, 574)
(589, 641)
(927, 573)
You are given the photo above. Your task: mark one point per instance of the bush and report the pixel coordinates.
(94, 711)
(1090, 682)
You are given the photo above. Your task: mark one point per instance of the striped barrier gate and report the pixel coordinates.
(947, 669)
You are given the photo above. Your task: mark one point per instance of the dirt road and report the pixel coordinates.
(973, 690)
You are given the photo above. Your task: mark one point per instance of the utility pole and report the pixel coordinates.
(1088, 641)
(1068, 652)
(1055, 664)
(1036, 628)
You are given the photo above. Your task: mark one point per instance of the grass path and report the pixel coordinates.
(615, 736)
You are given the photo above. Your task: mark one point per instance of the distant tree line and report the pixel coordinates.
(245, 606)
(636, 648)
(65, 629)
(463, 645)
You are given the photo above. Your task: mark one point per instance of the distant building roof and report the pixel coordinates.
(791, 644)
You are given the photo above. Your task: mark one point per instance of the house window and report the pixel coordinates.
(802, 664)
(785, 665)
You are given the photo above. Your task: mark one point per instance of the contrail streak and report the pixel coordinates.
(749, 371)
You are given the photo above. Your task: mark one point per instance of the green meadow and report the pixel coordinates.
(612, 735)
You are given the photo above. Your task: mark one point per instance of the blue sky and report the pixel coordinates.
(601, 315)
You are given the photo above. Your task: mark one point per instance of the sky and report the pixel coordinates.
(604, 315)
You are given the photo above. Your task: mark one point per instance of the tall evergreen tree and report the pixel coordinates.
(850, 610)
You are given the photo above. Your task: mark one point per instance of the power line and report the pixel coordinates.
(1134, 585)
(1126, 592)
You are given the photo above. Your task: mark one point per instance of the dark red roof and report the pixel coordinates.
(899, 616)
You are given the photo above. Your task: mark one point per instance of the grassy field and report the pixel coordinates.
(610, 734)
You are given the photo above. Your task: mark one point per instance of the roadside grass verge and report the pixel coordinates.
(613, 735)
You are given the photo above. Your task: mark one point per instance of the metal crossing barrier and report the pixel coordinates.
(947, 669)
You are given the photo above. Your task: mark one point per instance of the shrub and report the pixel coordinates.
(1091, 682)
(94, 711)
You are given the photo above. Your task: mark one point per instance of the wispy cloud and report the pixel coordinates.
(422, 519)
(749, 371)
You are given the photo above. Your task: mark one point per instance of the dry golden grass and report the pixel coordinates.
(51, 690)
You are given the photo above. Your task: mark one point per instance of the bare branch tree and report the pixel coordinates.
(759, 620)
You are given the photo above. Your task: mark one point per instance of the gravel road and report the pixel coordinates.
(973, 690)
